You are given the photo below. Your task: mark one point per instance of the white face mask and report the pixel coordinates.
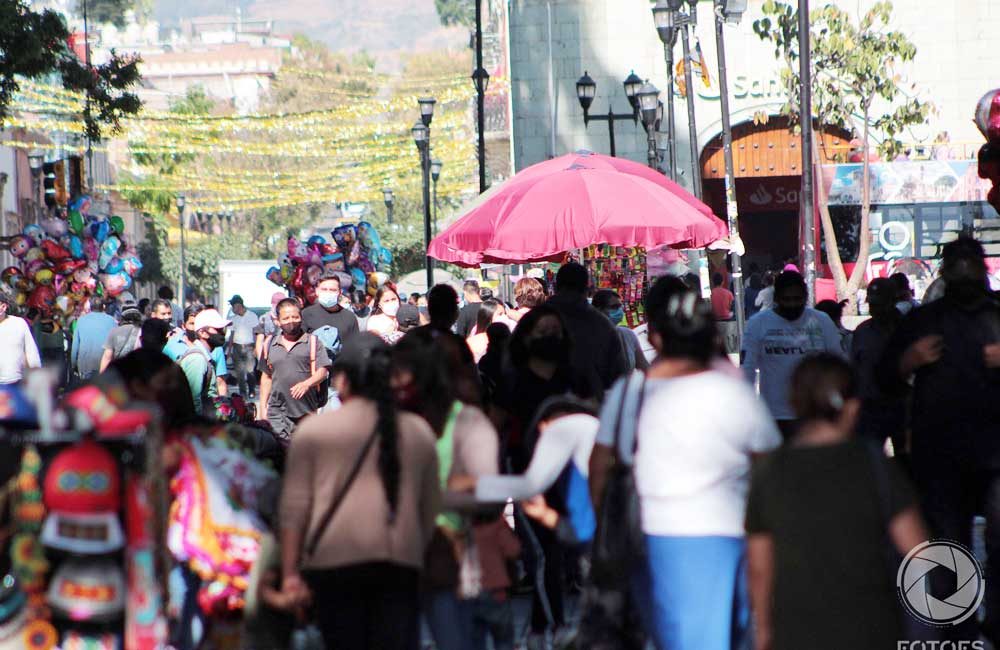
(390, 309)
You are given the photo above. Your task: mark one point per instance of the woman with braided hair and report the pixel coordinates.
(355, 519)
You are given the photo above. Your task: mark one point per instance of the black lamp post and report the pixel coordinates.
(481, 79)
(422, 137)
(389, 202)
(36, 160)
(586, 89)
(649, 103)
(181, 219)
(435, 175)
(663, 16)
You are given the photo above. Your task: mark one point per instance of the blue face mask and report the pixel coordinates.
(328, 300)
(616, 315)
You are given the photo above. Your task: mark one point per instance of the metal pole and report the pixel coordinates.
(480, 100)
(425, 164)
(727, 150)
(651, 157)
(808, 210)
(435, 208)
(183, 263)
(668, 56)
(86, 56)
(692, 128)
(611, 129)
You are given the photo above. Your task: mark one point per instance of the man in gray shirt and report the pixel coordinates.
(124, 338)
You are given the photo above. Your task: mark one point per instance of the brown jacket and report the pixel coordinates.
(323, 450)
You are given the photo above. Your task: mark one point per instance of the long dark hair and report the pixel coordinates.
(386, 288)
(365, 363)
(417, 353)
(484, 317)
(682, 319)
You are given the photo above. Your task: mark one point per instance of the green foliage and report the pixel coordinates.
(456, 12)
(33, 45)
(109, 11)
(855, 69)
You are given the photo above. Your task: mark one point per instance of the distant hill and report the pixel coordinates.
(378, 26)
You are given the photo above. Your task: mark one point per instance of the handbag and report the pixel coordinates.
(609, 619)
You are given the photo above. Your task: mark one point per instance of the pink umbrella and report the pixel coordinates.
(575, 201)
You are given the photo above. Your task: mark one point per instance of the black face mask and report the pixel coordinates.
(790, 313)
(216, 340)
(547, 348)
(191, 336)
(292, 329)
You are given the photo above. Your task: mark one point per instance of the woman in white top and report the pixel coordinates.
(383, 319)
(697, 431)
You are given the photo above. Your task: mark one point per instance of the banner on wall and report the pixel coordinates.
(909, 181)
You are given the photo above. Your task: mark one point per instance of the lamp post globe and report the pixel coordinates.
(436, 166)
(586, 89)
(648, 97)
(632, 85)
(481, 79)
(36, 159)
(387, 197)
(427, 109)
(420, 134)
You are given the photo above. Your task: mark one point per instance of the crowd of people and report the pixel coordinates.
(441, 454)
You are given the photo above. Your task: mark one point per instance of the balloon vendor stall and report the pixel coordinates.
(66, 258)
(356, 256)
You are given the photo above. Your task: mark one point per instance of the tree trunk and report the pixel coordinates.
(829, 234)
(864, 235)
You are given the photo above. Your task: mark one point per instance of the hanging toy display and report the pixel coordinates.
(987, 119)
(51, 254)
(356, 255)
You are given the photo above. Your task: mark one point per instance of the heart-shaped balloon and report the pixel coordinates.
(76, 222)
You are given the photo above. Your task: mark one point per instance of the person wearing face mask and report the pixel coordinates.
(776, 340)
(182, 341)
(950, 350)
(196, 362)
(294, 367)
(383, 319)
(329, 310)
(609, 303)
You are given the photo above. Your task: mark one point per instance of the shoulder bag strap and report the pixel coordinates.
(324, 521)
(267, 346)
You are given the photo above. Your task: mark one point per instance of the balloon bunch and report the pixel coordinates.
(988, 121)
(356, 256)
(64, 260)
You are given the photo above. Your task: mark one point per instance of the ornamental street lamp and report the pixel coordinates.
(422, 138)
(435, 175)
(586, 89)
(389, 202)
(180, 219)
(663, 17)
(648, 98)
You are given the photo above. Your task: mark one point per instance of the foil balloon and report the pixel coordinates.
(284, 260)
(75, 246)
(316, 240)
(68, 267)
(328, 250)
(297, 250)
(345, 236)
(384, 256)
(354, 254)
(54, 251)
(358, 278)
(309, 293)
(54, 226)
(286, 273)
(10, 275)
(34, 254)
(365, 264)
(369, 236)
(18, 245)
(30, 268)
(117, 225)
(91, 249)
(274, 275)
(132, 265)
(988, 116)
(100, 230)
(65, 304)
(346, 281)
(315, 255)
(41, 298)
(376, 280)
(115, 265)
(80, 203)
(334, 262)
(34, 232)
(313, 274)
(108, 250)
(115, 284)
(76, 222)
(44, 276)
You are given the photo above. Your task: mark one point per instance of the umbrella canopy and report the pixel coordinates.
(575, 201)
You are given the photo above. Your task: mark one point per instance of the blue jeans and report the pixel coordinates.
(492, 617)
(449, 618)
(189, 628)
(692, 592)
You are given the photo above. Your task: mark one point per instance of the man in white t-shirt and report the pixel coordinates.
(17, 347)
(776, 340)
